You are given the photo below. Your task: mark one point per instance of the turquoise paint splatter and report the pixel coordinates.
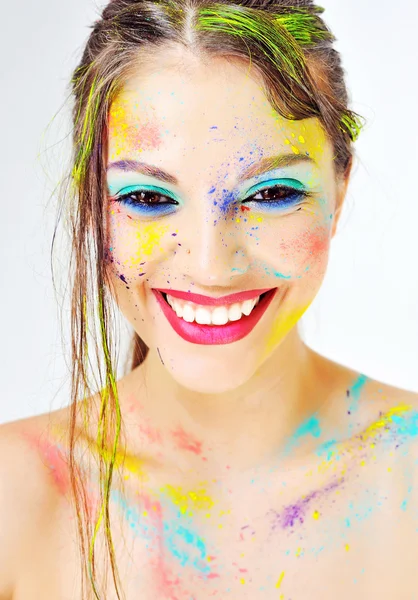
(355, 392)
(181, 542)
(277, 274)
(309, 427)
(328, 448)
(406, 425)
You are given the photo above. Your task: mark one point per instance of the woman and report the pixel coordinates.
(213, 146)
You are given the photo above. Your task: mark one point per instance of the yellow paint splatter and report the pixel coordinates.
(281, 326)
(373, 430)
(301, 139)
(347, 547)
(149, 237)
(298, 551)
(316, 515)
(279, 581)
(295, 150)
(188, 501)
(242, 581)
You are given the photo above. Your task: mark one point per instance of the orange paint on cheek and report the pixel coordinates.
(314, 242)
(317, 242)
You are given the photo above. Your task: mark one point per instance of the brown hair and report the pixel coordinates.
(291, 48)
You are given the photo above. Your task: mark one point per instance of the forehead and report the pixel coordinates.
(214, 112)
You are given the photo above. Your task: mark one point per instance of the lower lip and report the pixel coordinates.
(215, 334)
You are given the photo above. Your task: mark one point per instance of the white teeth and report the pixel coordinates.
(247, 306)
(220, 315)
(204, 315)
(234, 312)
(188, 313)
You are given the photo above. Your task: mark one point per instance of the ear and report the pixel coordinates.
(342, 185)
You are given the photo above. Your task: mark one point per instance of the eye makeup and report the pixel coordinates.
(146, 200)
(275, 195)
(287, 193)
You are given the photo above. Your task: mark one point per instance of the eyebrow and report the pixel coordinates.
(268, 163)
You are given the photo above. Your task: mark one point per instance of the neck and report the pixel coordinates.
(251, 424)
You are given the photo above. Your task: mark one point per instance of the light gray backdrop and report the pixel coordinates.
(366, 314)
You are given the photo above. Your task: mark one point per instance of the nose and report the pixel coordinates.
(213, 251)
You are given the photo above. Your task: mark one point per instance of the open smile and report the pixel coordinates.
(209, 321)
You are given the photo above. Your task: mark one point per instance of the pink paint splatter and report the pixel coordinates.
(169, 585)
(145, 136)
(55, 461)
(184, 441)
(152, 434)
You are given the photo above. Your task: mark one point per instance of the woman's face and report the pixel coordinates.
(191, 151)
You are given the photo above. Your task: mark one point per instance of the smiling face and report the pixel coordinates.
(191, 154)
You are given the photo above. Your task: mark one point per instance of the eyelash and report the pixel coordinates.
(292, 193)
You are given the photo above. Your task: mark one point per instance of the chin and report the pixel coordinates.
(207, 376)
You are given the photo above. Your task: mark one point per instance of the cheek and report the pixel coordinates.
(290, 248)
(306, 251)
(133, 245)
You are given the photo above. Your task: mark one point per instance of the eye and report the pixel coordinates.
(146, 201)
(144, 198)
(278, 195)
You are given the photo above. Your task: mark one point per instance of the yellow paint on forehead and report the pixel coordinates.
(118, 129)
(305, 136)
(127, 129)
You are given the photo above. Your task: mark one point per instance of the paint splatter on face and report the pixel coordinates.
(211, 191)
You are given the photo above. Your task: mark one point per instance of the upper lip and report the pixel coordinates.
(210, 301)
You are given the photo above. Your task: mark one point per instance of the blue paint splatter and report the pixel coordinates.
(277, 274)
(329, 448)
(309, 427)
(355, 392)
(182, 542)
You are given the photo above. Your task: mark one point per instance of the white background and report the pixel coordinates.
(366, 314)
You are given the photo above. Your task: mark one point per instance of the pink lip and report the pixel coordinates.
(209, 301)
(215, 334)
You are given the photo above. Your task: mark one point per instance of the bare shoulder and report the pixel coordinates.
(384, 416)
(364, 405)
(27, 495)
(387, 400)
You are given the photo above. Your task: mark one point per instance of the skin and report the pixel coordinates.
(252, 470)
(195, 124)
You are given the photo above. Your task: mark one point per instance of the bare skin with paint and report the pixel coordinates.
(257, 469)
